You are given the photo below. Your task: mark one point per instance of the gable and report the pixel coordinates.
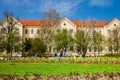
(66, 23)
(113, 23)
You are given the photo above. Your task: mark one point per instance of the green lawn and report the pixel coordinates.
(56, 69)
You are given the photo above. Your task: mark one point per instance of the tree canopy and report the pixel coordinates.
(63, 39)
(82, 39)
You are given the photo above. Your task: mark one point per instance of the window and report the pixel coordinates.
(90, 49)
(38, 31)
(109, 31)
(26, 31)
(17, 31)
(100, 31)
(26, 39)
(64, 24)
(71, 30)
(114, 24)
(1, 31)
(32, 31)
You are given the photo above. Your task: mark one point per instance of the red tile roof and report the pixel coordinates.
(43, 22)
(36, 22)
(30, 22)
(87, 23)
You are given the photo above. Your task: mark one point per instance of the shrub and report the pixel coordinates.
(112, 55)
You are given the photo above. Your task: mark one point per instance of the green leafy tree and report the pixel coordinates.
(27, 45)
(48, 27)
(38, 46)
(12, 42)
(110, 43)
(48, 36)
(83, 40)
(98, 40)
(63, 39)
(116, 39)
(10, 37)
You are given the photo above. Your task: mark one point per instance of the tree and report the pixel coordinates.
(47, 34)
(63, 39)
(51, 14)
(27, 45)
(49, 24)
(38, 46)
(34, 47)
(116, 39)
(10, 37)
(83, 40)
(98, 40)
(12, 42)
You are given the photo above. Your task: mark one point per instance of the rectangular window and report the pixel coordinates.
(17, 31)
(71, 30)
(100, 31)
(26, 39)
(109, 31)
(38, 31)
(32, 31)
(1, 31)
(26, 31)
(4, 31)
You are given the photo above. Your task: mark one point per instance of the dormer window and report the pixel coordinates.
(114, 24)
(64, 24)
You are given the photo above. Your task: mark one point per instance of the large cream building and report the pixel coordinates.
(30, 28)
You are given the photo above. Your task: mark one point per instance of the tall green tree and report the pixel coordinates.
(11, 38)
(63, 39)
(98, 41)
(116, 39)
(48, 36)
(27, 45)
(12, 41)
(48, 27)
(83, 40)
(38, 46)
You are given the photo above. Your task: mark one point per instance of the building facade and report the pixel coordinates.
(29, 29)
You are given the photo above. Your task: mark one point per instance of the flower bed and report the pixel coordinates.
(79, 60)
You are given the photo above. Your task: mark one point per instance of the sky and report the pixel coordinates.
(102, 10)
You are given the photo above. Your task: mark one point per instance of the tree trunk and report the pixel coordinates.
(84, 52)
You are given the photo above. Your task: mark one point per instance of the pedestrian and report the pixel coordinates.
(61, 53)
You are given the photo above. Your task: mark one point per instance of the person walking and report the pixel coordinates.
(61, 53)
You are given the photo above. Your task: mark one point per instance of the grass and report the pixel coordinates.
(56, 69)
